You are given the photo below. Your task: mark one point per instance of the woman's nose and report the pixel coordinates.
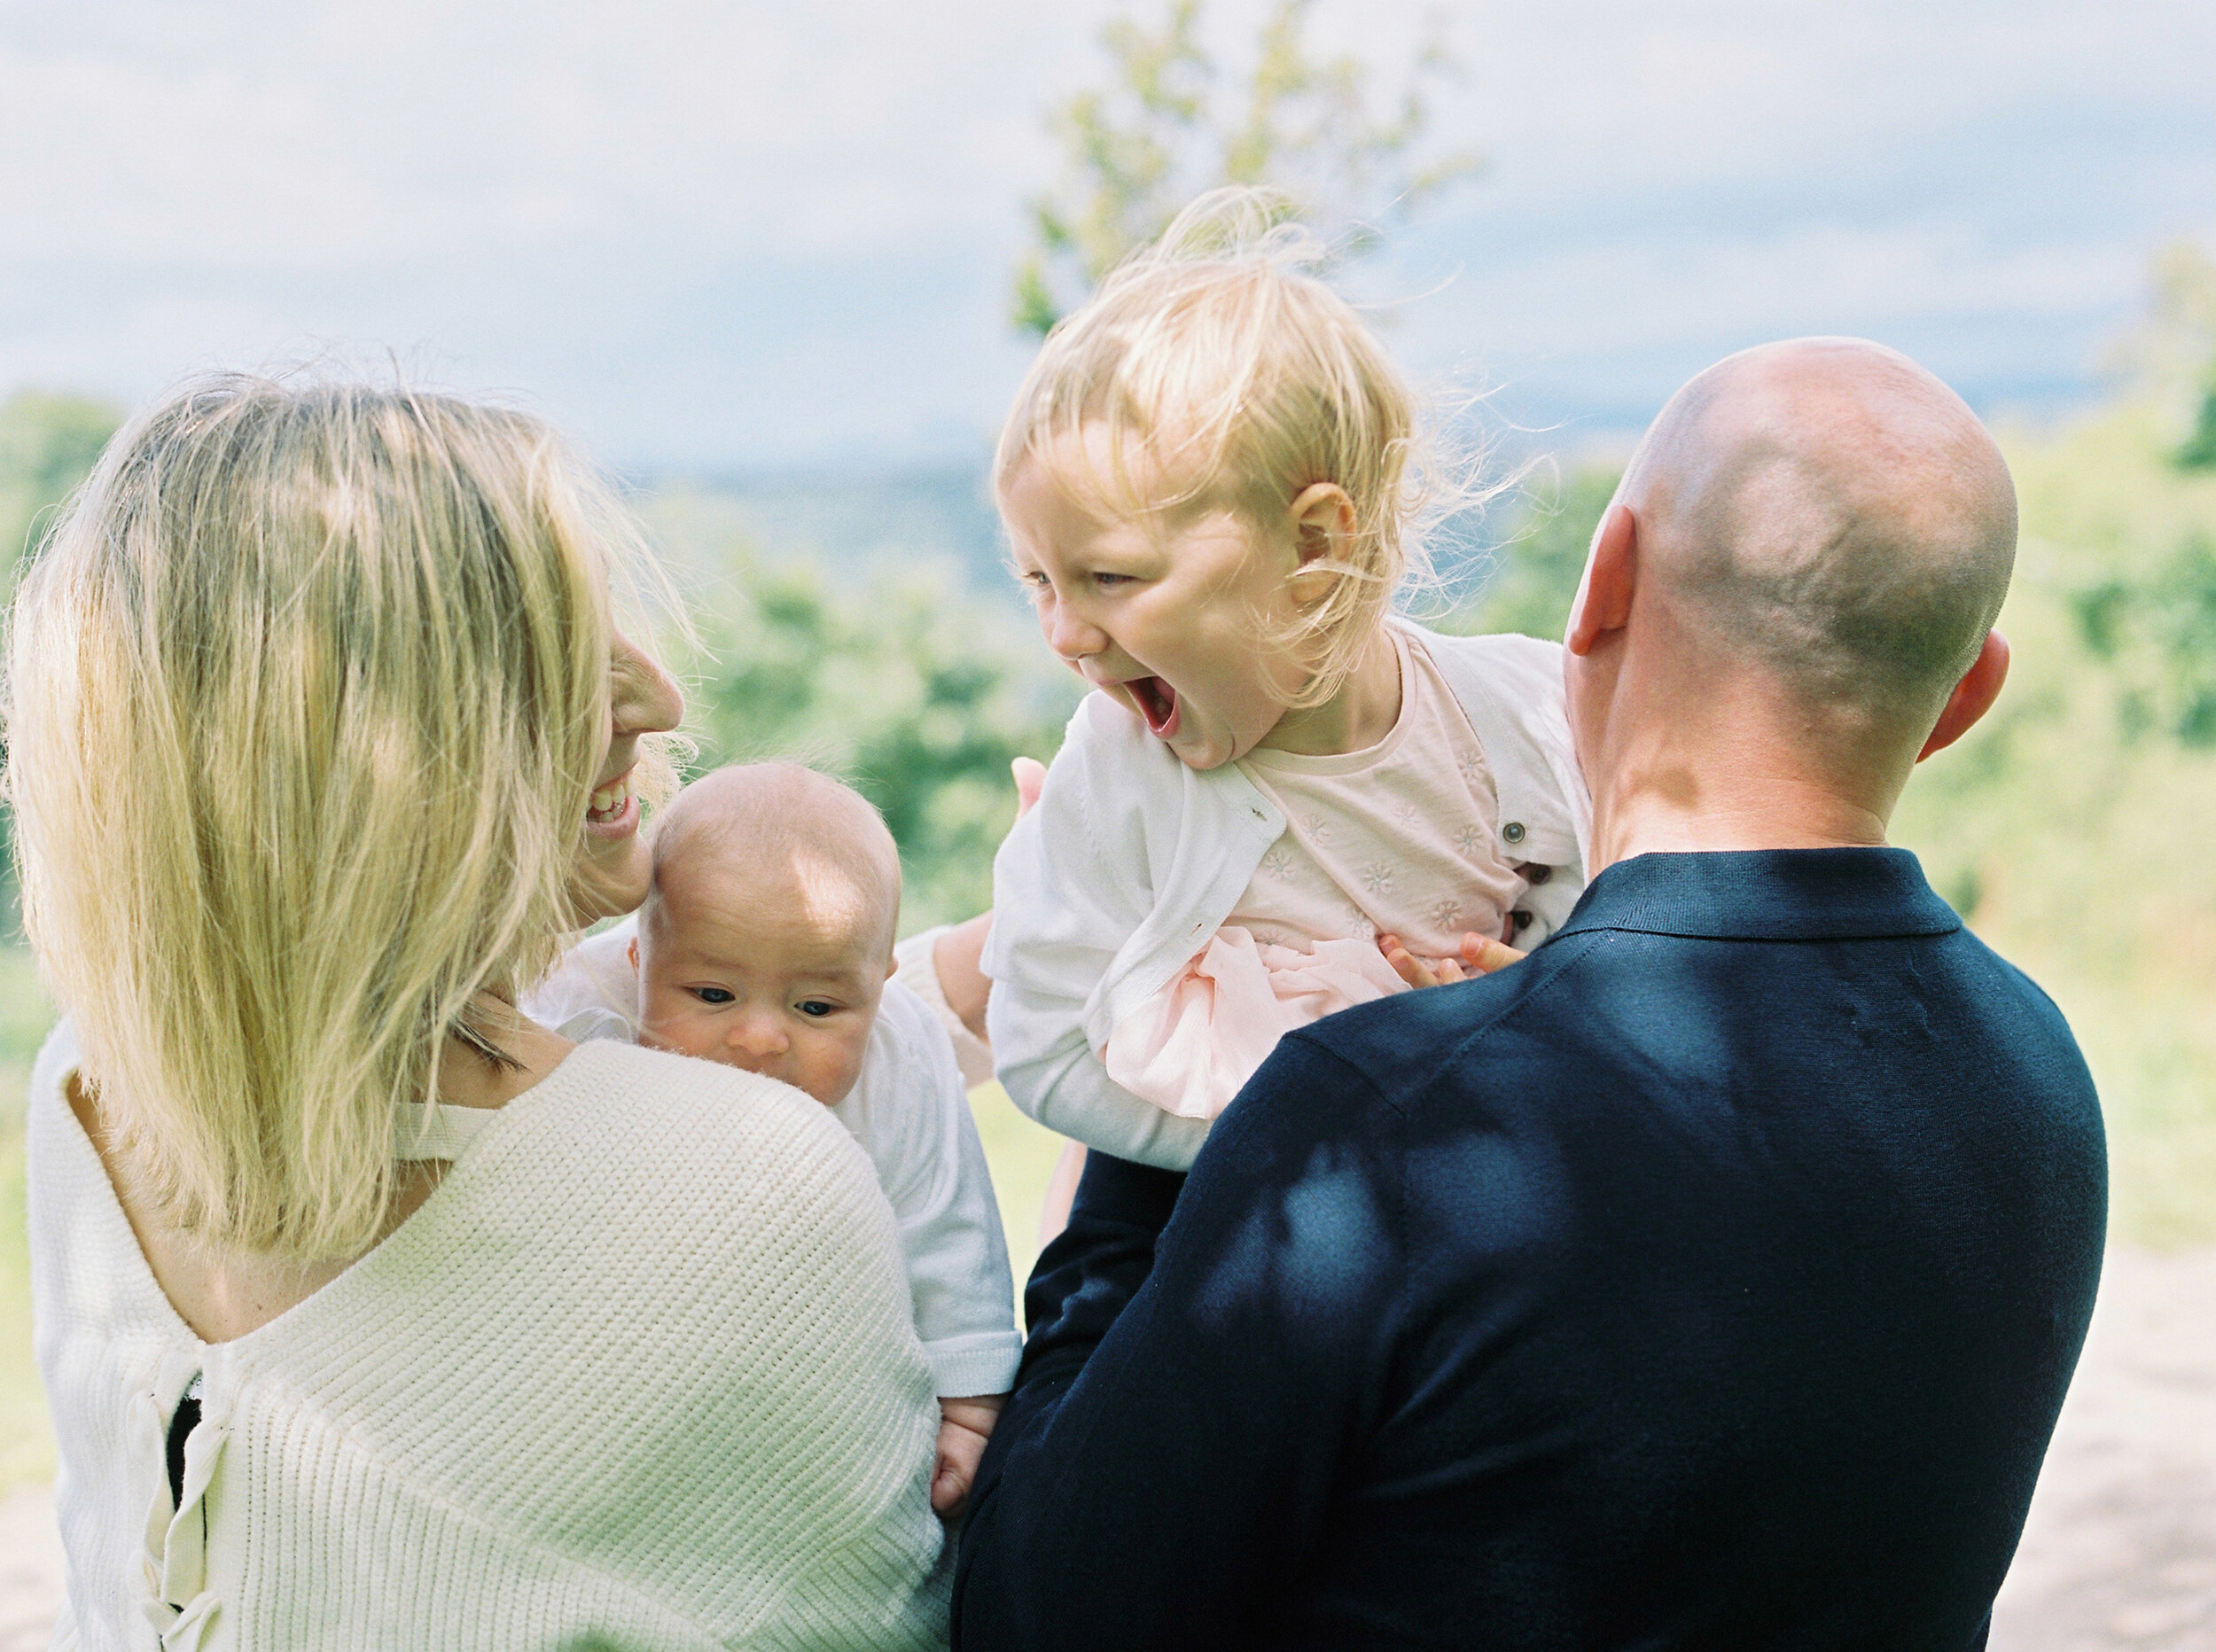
(642, 698)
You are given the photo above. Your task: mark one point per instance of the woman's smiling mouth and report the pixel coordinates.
(612, 809)
(1157, 702)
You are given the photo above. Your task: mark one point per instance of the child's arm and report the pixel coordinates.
(1069, 889)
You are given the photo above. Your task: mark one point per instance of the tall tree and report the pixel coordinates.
(1161, 131)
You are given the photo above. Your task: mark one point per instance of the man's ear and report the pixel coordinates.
(1323, 520)
(1973, 696)
(1603, 598)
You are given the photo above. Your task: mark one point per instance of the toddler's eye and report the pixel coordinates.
(815, 1007)
(713, 995)
(1112, 579)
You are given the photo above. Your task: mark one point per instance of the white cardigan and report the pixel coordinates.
(639, 1373)
(1131, 861)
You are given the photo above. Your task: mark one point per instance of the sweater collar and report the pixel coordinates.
(1766, 894)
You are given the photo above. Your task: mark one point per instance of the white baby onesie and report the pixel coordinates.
(910, 1112)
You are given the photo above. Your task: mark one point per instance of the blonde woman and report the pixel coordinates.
(372, 1314)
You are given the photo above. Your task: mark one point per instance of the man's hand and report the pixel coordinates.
(964, 1425)
(1478, 956)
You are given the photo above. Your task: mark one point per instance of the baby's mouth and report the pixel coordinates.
(1157, 702)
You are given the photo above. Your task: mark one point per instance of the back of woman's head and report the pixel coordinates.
(306, 695)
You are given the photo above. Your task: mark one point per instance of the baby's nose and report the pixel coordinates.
(759, 1036)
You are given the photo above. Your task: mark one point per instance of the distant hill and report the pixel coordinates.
(840, 521)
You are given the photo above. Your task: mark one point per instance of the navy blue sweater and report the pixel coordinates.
(1709, 1280)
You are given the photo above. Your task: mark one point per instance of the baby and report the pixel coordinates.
(766, 943)
(1280, 800)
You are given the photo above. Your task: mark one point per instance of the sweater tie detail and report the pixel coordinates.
(170, 1580)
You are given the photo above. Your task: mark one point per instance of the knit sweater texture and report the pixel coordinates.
(639, 1373)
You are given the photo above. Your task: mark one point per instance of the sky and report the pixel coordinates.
(723, 237)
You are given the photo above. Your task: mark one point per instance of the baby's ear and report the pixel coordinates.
(891, 965)
(630, 951)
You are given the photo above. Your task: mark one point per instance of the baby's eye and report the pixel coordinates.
(713, 995)
(817, 1007)
(1109, 581)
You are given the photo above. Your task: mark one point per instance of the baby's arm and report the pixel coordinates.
(964, 1425)
(912, 1114)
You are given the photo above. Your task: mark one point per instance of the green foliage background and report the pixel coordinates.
(2072, 828)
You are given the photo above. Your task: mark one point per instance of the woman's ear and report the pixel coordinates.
(1322, 520)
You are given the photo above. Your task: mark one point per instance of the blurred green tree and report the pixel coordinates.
(48, 444)
(2171, 357)
(1536, 571)
(1156, 134)
(912, 691)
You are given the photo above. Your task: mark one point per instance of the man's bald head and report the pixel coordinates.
(1830, 510)
(790, 824)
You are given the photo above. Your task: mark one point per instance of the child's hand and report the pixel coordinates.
(964, 1427)
(1478, 956)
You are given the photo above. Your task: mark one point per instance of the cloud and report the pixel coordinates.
(728, 231)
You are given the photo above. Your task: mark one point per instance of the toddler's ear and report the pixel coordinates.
(630, 951)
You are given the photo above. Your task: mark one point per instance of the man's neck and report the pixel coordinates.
(1731, 801)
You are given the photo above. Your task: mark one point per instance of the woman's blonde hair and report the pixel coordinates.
(306, 694)
(1235, 378)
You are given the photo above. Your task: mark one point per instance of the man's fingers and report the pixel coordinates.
(1482, 955)
(1405, 964)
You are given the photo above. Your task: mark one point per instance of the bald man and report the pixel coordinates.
(1710, 1279)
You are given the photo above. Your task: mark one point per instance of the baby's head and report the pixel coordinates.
(767, 938)
(1210, 483)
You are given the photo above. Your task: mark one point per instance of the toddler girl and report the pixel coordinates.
(1211, 482)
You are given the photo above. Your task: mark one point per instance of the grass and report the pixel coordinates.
(26, 1445)
(1022, 1155)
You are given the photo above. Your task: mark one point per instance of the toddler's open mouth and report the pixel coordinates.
(1157, 702)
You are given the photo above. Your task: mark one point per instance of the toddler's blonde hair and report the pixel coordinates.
(305, 696)
(1237, 378)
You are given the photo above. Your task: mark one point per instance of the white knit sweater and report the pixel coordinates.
(640, 1385)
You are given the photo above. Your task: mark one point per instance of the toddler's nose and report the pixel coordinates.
(1071, 637)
